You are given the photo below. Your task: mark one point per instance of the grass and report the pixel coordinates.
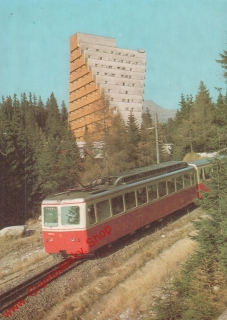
(122, 279)
(10, 245)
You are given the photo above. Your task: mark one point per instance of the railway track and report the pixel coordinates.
(8, 298)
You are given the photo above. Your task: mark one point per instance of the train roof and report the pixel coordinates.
(201, 162)
(206, 161)
(103, 184)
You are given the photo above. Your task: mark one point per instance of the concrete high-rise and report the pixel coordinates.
(97, 66)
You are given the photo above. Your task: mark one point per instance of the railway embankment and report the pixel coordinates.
(118, 285)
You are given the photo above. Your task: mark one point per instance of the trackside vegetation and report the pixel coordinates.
(199, 292)
(38, 155)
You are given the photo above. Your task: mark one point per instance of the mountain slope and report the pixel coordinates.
(163, 114)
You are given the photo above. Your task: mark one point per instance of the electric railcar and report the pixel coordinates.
(112, 207)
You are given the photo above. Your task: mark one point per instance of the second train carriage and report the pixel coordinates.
(116, 206)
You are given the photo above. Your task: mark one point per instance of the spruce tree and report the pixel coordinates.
(132, 138)
(115, 154)
(53, 117)
(223, 62)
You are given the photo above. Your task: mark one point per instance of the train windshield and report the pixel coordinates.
(50, 216)
(70, 215)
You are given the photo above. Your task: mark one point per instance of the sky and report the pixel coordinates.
(182, 40)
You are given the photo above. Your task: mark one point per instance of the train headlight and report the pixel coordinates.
(72, 239)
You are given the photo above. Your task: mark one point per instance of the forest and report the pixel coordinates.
(39, 154)
(199, 291)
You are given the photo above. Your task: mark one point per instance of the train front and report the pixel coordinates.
(64, 226)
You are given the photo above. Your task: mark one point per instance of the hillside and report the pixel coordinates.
(163, 114)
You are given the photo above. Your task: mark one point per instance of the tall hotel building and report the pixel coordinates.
(97, 69)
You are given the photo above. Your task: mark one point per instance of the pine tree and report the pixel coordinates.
(212, 237)
(133, 138)
(203, 121)
(181, 129)
(64, 113)
(223, 62)
(115, 154)
(53, 117)
(38, 155)
(41, 114)
(168, 306)
(147, 140)
(186, 107)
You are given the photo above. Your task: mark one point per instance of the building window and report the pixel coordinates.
(97, 73)
(111, 99)
(126, 92)
(96, 65)
(105, 81)
(123, 100)
(123, 83)
(97, 49)
(100, 58)
(108, 90)
(122, 60)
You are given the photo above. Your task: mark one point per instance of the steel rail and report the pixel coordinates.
(8, 298)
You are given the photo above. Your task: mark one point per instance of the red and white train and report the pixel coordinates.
(112, 207)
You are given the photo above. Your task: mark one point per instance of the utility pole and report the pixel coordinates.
(156, 137)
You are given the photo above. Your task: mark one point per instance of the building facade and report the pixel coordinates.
(103, 78)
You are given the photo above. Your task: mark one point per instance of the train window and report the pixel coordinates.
(50, 216)
(193, 178)
(91, 214)
(141, 196)
(162, 189)
(70, 215)
(130, 200)
(103, 210)
(187, 180)
(207, 172)
(152, 192)
(117, 205)
(171, 185)
(179, 182)
(201, 175)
